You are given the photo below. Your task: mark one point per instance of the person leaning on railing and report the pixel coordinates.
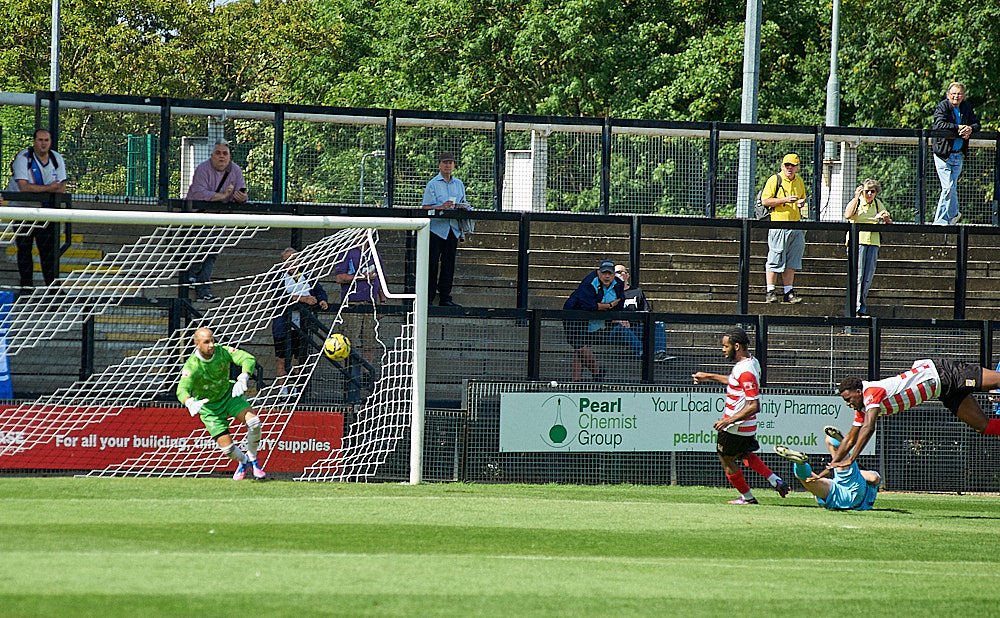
(38, 169)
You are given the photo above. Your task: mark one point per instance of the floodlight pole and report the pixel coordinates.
(54, 56)
(747, 170)
(833, 83)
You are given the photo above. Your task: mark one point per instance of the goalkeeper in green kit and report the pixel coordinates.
(206, 390)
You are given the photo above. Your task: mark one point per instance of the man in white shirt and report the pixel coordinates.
(38, 169)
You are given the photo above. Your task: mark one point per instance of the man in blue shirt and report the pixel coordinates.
(953, 114)
(444, 192)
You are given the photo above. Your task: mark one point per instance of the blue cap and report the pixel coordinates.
(607, 266)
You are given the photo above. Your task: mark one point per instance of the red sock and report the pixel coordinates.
(737, 481)
(757, 465)
(992, 427)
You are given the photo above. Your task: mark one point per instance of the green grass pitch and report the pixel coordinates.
(127, 547)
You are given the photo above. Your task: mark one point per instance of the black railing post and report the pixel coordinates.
(851, 308)
(712, 182)
(606, 166)
(523, 261)
(163, 178)
(648, 347)
(921, 196)
(760, 347)
(277, 168)
(534, 345)
(817, 177)
(743, 279)
(390, 160)
(874, 350)
(499, 162)
(986, 346)
(635, 251)
(961, 271)
(87, 349)
(39, 97)
(54, 119)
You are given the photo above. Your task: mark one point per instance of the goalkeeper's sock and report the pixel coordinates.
(235, 453)
(833, 441)
(802, 470)
(253, 437)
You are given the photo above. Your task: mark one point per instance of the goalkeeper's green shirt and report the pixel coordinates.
(210, 379)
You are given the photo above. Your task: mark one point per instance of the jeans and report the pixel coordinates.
(200, 274)
(948, 172)
(632, 337)
(867, 257)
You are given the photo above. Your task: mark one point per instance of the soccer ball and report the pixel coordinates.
(337, 347)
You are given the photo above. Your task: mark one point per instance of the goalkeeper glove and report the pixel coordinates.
(194, 405)
(240, 386)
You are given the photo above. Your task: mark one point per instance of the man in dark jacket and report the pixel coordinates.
(599, 291)
(954, 114)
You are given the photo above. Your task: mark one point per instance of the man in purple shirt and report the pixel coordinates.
(216, 180)
(358, 269)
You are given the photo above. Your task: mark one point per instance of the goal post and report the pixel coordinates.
(75, 400)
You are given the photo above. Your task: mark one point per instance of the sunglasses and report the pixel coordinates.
(870, 191)
(621, 272)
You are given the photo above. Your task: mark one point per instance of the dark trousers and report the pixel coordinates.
(45, 238)
(443, 251)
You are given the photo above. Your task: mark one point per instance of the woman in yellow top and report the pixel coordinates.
(867, 208)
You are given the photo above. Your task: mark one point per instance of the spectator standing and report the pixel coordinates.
(784, 247)
(737, 437)
(38, 169)
(635, 300)
(444, 192)
(953, 114)
(867, 208)
(216, 180)
(599, 291)
(307, 294)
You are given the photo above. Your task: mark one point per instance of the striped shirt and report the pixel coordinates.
(908, 389)
(744, 384)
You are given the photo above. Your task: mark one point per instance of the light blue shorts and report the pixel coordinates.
(849, 491)
(785, 249)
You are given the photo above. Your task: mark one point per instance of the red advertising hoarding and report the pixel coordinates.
(132, 433)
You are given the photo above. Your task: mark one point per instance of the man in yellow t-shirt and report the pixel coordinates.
(784, 247)
(867, 208)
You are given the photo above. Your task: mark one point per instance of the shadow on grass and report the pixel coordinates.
(900, 511)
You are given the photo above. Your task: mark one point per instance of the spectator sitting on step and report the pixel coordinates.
(635, 300)
(299, 285)
(216, 180)
(599, 291)
(360, 287)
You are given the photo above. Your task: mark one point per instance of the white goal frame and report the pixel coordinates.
(419, 225)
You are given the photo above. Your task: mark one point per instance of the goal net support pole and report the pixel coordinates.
(421, 227)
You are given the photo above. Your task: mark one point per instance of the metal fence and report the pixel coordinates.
(119, 147)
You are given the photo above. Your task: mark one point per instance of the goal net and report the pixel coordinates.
(114, 422)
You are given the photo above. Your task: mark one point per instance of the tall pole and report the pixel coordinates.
(747, 170)
(832, 83)
(54, 59)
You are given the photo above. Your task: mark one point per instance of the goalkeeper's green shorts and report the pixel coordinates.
(215, 414)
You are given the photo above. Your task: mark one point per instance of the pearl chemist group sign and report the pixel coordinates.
(664, 421)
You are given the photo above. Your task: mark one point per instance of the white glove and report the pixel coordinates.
(194, 405)
(240, 386)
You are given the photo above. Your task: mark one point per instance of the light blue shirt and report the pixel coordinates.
(436, 193)
(609, 297)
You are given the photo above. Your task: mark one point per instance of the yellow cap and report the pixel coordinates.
(791, 158)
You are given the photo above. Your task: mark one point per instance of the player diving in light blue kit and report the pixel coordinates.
(851, 488)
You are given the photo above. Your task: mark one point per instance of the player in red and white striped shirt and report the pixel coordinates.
(738, 426)
(951, 382)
